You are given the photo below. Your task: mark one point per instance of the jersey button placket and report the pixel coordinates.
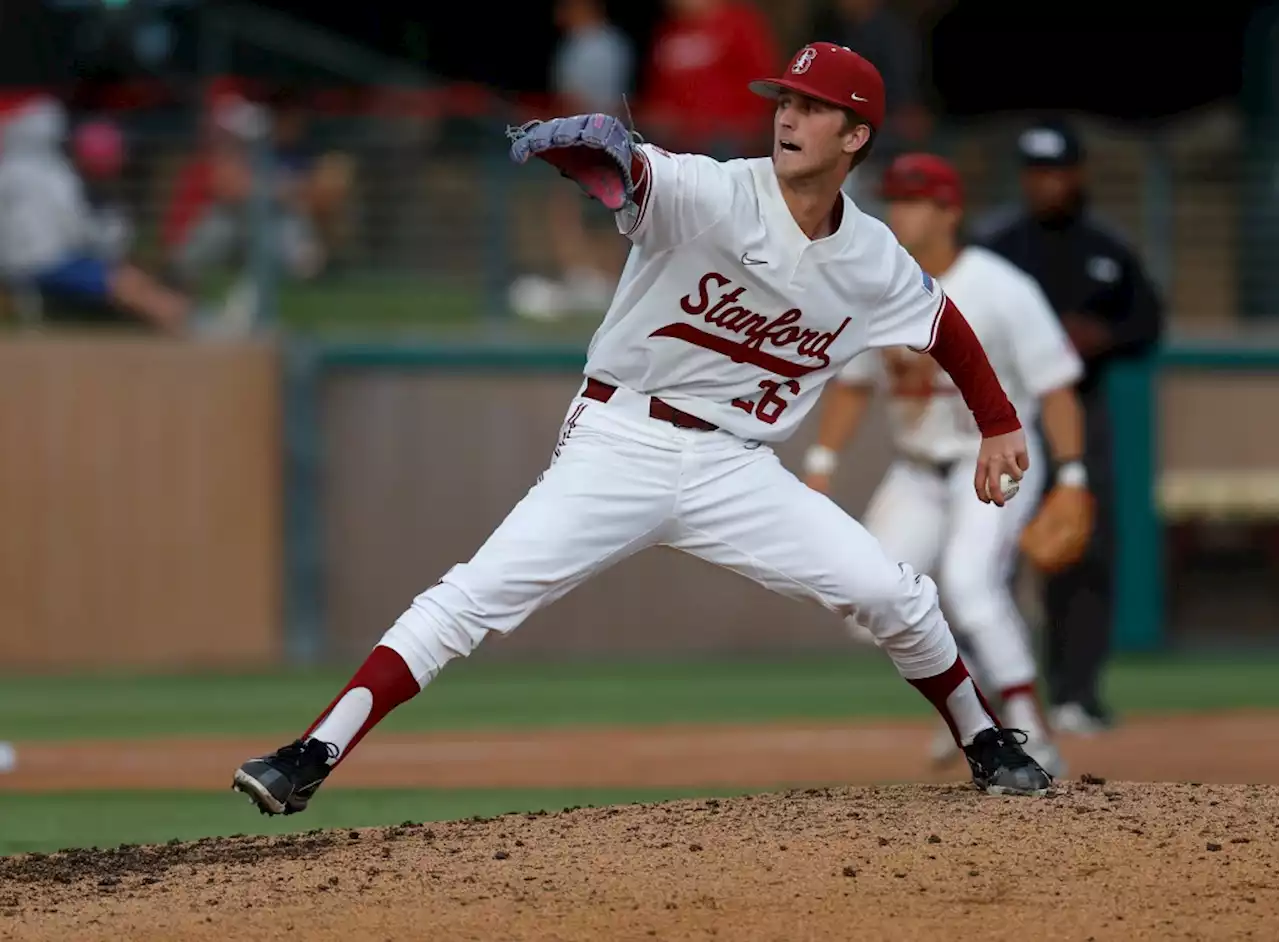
(794, 274)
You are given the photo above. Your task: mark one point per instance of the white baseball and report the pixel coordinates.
(1008, 486)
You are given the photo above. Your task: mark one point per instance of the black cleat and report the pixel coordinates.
(283, 782)
(1000, 767)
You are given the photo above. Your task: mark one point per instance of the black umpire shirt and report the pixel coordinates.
(1084, 268)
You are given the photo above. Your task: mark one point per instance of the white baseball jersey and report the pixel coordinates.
(725, 310)
(1024, 341)
(728, 311)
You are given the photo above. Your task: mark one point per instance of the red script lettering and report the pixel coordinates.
(755, 329)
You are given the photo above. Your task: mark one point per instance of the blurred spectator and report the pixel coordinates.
(1111, 311)
(315, 183)
(880, 34)
(594, 63)
(193, 185)
(591, 72)
(98, 149)
(208, 223)
(47, 237)
(695, 91)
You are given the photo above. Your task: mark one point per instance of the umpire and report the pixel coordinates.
(1110, 311)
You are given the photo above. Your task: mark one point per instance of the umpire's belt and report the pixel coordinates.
(603, 392)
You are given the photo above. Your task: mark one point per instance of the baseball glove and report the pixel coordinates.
(1058, 534)
(593, 150)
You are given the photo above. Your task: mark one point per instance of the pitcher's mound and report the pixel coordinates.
(1124, 861)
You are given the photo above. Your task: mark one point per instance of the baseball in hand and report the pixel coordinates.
(1008, 486)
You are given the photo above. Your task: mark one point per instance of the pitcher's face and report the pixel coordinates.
(812, 138)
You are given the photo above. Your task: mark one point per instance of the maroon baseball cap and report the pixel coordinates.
(922, 176)
(834, 74)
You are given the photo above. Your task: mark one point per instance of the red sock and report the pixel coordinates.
(939, 688)
(386, 681)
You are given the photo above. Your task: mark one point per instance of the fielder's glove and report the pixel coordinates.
(1059, 533)
(593, 150)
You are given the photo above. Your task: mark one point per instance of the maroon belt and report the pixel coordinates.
(603, 392)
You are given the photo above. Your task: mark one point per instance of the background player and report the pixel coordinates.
(923, 512)
(749, 285)
(1112, 311)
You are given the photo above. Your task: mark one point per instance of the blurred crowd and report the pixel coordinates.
(94, 226)
(74, 248)
(70, 227)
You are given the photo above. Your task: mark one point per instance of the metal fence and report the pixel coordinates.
(429, 226)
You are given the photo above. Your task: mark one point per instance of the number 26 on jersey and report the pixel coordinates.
(771, 404)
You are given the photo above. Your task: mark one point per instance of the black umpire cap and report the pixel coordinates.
(1050, 143)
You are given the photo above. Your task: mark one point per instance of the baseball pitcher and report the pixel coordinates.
(749, 285)
(923, 513)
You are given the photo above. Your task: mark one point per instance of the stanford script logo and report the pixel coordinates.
(755, 330)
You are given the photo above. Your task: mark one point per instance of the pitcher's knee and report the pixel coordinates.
(898, 604)
(442, 623)
(904, 617)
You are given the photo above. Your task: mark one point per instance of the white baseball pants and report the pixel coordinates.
(620, 481)
(935, 524)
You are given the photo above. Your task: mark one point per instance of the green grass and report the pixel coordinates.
(391, 305)
(469, 695)
(385, 305)
(365, 302)
(51, 821)
(491, 695)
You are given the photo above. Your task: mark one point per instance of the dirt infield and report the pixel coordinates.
(1118, 861)
(1226, 747)
(1097, 860)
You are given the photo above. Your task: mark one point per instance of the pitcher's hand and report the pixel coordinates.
(1002, 454)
